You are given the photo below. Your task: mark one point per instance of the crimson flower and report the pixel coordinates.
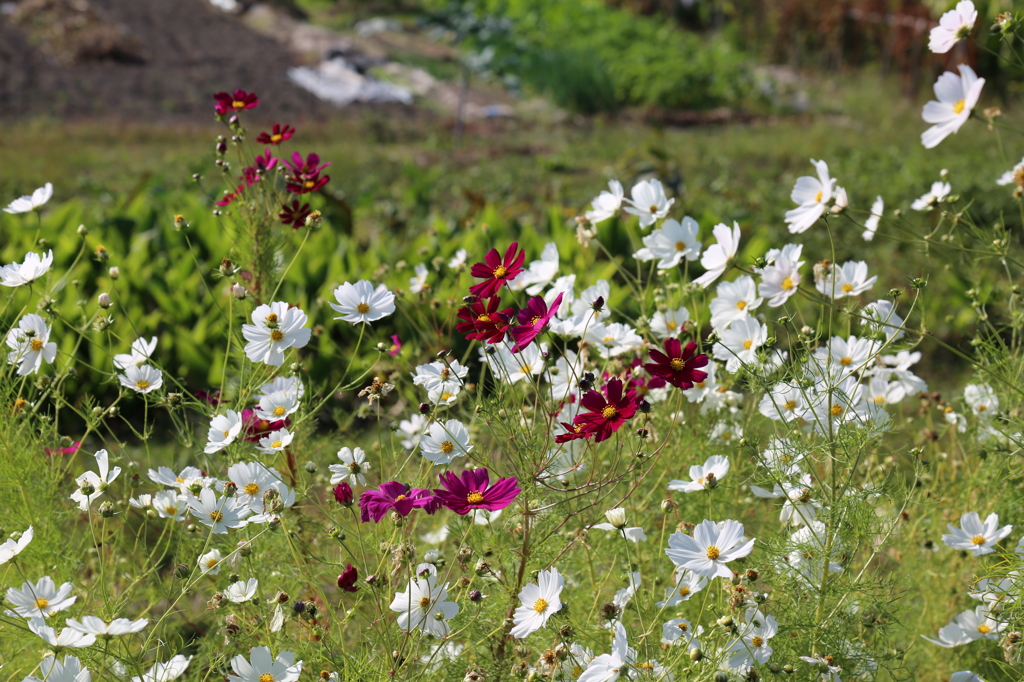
(251, 176)
(277, 135)
(306, 184)
(347, 579)
(343, 494)
(239, 100)
(473, 491)
(678, 365)
(484, 321)
(497, 270)
(254, 428)
(375, 504)
(606, 414)
(532, 320)
(306, 167)
(294, 214)
(70, 450)
(231, 196)
(212, 397)
(574, 432)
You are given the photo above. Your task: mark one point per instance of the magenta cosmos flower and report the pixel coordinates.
(473, 491)
(496, 270)
(375, 504)
(239, 100)
(532, 320)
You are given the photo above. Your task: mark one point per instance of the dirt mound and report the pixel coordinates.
(132, 59)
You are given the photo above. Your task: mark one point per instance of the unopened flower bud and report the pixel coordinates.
(425, 408)
(696, 654)
(107, 509)
(314, 220)
(721, 677)
(179, 222)
(238, 291)
(227, 268)
(668, 506)
(114, 272)
(311, 467)
(475, 595)
(230, 489)
(616, 517)
(181, 571)
(82, 230)
(104, 300)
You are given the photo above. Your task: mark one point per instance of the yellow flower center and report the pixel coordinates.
(713, 552)
(276, 138)
(170, 509)
(700, 384)
(216, 516)
(680, 246)
(654, 208)
(978, 540)
(446, 396)
(610, 412)
(447, 447)
(790, 405)
(608, 339)
(836, 410)
(475, 497)
(483, 318)
(740, 305)
(847, 288)
(238, 104)
(210, 563)
(276, 444)
(981, 408)
(42, 603)
(959, 106)
(879, 398)
(36, 345)
(309, 184)
(270, 320)
(535, 320)
(400, 497)
(817, 197)
(424, 603)
(747, 344)
(276, 335)
(671, 325)
(362, 308)
(845, 361)
(540, 605)
(526, 369)
(142, 384)
(757, 641)
(984, 629)
(677, 364)
(500, 271)
(279, 411)
(787, 284)
(684, 591)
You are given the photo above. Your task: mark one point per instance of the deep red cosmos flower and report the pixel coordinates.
(343, 494)
(375, 504)
(239, 100)
(606, 414)
(306, 167)
(677, 365)
(277, 135)
(532, 320)
(294, 214)
(574, 432)
(484, 321)
(231, 196)
(497, 270)
(306, 184)
(473, 491)
(347, 579)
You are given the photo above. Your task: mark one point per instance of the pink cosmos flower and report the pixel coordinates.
(239, 100)
(532, 320)
(306, 167)
(72, 449)
(396, 345)
(473, 491)
(375, 504)
(496, 270)
(231, 196)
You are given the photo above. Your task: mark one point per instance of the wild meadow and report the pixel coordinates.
(599, 403)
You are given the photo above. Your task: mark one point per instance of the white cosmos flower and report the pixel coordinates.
(614, 339)
(262, 667)
(275, 329)
(165, 672)
(353, 467)
(142, 350)
(70, 670)
(1007, 178)
(34, 267)
(12, 548)
(719, 255)
(210, 562)
(617, 523)
(673, 242)
(360, 302)
(882, 317)
(704, 476)
(277, 406)
(800, 507)
(609, 667)
(447, 376)
(28, 203)
(459, 259)
(851, 279)
(425, 600)
(276, 441)
(954, 26)
(444, 442)
(968, 626)
(841, 202)
(811, 196)
(252, 480)
(980, 538)
(606, 204)
(418, 282)
(779, 281)
(965, 676)
(143, 379)
(734, 301)
(981, 399)
(687, 584)
(939, 191)
(224, 428)
(169, 504)
(68, 638)
(290, 384)
(512, 368)
(669, 323)
(738, 344)
(539, 273)
(679, 632)
(752, 643)
(30, 344)
(242, 591)
(91, 625)
(805, 559)
(871, 224)
(956, 97)
(219, 514)
(538, 603)
(98, 482)
(412, 428)
(648, 202)
(710, 548)
(41, 599)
